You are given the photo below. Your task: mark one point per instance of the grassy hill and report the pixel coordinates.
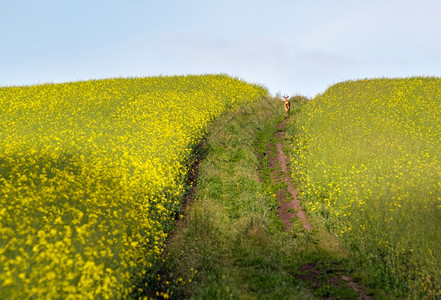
(367, 158)
(93, 177)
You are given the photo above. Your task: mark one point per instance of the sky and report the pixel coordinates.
(290, 47)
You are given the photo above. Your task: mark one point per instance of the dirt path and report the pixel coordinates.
(289, 204)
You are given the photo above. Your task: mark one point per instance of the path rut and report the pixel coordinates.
(289, 204)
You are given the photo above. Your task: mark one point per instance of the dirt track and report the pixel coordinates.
(289, 204)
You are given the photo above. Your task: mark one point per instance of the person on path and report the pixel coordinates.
(287, 106)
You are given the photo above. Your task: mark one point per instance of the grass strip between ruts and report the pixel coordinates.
(231, 243)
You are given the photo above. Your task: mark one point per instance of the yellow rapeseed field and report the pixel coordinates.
(368, 161)
(92, 176)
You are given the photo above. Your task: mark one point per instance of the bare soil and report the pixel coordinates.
(289, 204)
(311, 273)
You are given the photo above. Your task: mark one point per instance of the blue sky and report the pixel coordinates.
(291, 47)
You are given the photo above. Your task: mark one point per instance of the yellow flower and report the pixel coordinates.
(92, 174)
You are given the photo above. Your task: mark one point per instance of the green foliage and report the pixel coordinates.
(232, 235)
(239, 257)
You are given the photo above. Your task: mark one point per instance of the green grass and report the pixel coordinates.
(231, 243)
(367, 158)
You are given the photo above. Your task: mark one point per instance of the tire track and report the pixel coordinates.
(289, 204)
